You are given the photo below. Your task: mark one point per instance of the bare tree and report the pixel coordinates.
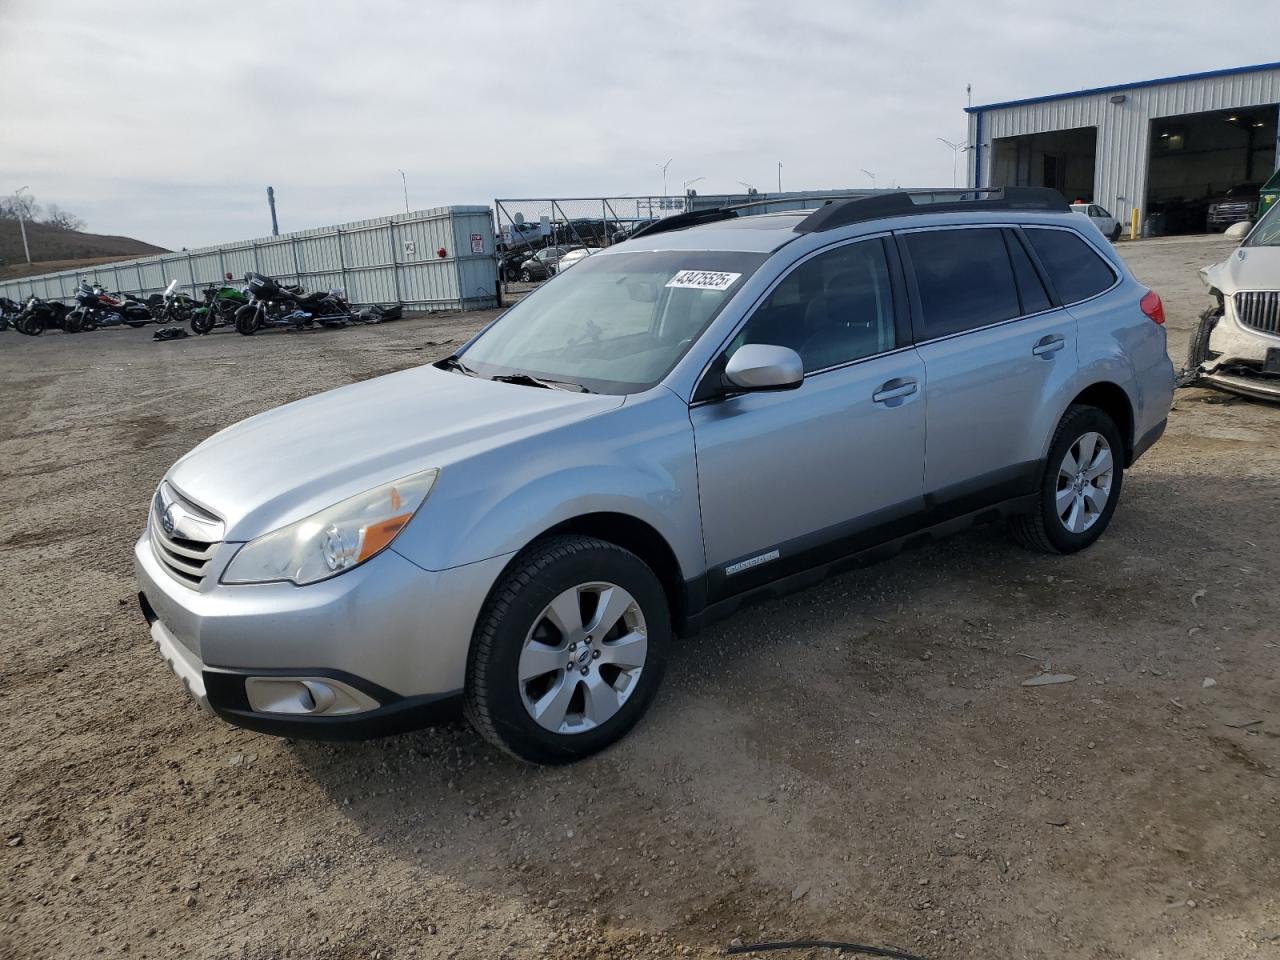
(25, 204)
(65, 219)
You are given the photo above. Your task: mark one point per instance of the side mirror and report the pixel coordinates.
(761, 366)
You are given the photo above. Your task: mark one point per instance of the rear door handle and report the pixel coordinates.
(1048, 346)
(894, 389)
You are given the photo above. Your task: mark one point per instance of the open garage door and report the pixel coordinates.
(1063, 159)
(1202, 159)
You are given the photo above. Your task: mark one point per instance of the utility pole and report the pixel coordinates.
(779, 176)
(20, 207)
(271, 202)
(664, 175)
(404, 183)
(956, 150)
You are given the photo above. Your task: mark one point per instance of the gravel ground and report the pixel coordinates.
(859, 761)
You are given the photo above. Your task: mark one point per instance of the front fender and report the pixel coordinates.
(636, 459)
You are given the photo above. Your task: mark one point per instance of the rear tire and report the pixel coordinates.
(1080, 486)
(551, 695)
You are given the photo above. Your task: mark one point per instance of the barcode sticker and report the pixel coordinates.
(703, 280)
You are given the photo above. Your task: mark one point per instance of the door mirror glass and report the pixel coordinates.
(762, 366)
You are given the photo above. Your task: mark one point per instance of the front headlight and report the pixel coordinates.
(334, 540)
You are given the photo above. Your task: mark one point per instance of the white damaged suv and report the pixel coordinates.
(720, 409)
(1237, 345)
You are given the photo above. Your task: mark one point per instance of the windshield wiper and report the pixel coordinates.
(453, 363)
(528, 380)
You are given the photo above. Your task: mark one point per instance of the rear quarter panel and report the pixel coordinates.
(1118, 343)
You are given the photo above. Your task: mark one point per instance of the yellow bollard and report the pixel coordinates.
(1133, 224)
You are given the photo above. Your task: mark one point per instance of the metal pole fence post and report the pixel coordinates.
(191, 272)
(395, 259)
(297, 265)
(256, 268)
(342, 265)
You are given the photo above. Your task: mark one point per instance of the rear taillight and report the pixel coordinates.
(1152, 306)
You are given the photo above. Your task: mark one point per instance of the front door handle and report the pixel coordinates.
(1048, 346)
(894, 389)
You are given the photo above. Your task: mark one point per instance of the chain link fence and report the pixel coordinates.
(533, 234)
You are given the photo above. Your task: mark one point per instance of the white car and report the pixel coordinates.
(1237, 345)
(1104, 221)
(572, 257)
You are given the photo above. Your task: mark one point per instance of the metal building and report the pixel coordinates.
(1166, 147)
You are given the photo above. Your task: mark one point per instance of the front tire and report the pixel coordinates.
(1080, 486)
(1115, 233)
(568, 651)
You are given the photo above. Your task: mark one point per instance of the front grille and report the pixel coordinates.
(184, 552)
(1259, 309)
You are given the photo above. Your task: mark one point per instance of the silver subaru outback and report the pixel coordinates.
(723, 408)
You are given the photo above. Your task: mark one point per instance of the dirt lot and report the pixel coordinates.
(859, 761)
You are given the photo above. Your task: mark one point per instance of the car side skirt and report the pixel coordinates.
(808, 560)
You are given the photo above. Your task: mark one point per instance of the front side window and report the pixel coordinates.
(615, 323)
(834, 308)
(964, 278)
(1075, 269)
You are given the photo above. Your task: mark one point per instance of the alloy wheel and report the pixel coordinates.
(1084, 482)
(582, 658)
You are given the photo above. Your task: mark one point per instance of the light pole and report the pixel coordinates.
(956, 150)
(749, 187)
(404, 183)
(779, 176)
(690, 183)
(20, 208)
(871, 175)
(664, 175)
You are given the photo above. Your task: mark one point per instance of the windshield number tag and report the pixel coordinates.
(703, 280)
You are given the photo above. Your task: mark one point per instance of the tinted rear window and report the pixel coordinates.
(1075, 269)
(964, 279)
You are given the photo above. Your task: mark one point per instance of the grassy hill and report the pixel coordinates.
(55, 249)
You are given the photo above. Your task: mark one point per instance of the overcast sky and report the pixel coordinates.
(166, 120)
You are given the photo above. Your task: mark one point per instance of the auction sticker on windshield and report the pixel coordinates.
(703, 280)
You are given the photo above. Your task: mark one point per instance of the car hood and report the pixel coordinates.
(1248, 268)
(290, 462)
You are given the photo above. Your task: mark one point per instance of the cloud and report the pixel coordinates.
(167, 121)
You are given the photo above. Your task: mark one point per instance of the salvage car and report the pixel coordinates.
(1236, 346)
(719, 410)
(1104, 221)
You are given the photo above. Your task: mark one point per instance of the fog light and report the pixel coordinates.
(305, 696)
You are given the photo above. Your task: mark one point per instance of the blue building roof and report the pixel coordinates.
(1208, 74)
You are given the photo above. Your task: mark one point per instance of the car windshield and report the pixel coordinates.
(616, 323)
(1267, 232)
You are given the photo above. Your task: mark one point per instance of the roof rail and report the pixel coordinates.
(681, 220)
(907, 202)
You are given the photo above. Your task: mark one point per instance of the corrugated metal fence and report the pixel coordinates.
(386, 260)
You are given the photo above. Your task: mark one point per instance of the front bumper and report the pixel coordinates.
(395, 635)
(1236, 350)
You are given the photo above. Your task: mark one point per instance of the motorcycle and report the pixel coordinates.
(97, 308)
(172, 306)
(39, 315)
(219, 309)
(275, 305)
(10, 310)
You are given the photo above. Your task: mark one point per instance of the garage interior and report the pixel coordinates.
(1195, 158)
(1062, 159)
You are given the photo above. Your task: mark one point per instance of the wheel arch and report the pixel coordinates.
(633, 534)
(1113, 400)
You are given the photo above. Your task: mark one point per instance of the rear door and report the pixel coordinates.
(997, 349)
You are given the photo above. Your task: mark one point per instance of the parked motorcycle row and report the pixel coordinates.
(262, 303)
